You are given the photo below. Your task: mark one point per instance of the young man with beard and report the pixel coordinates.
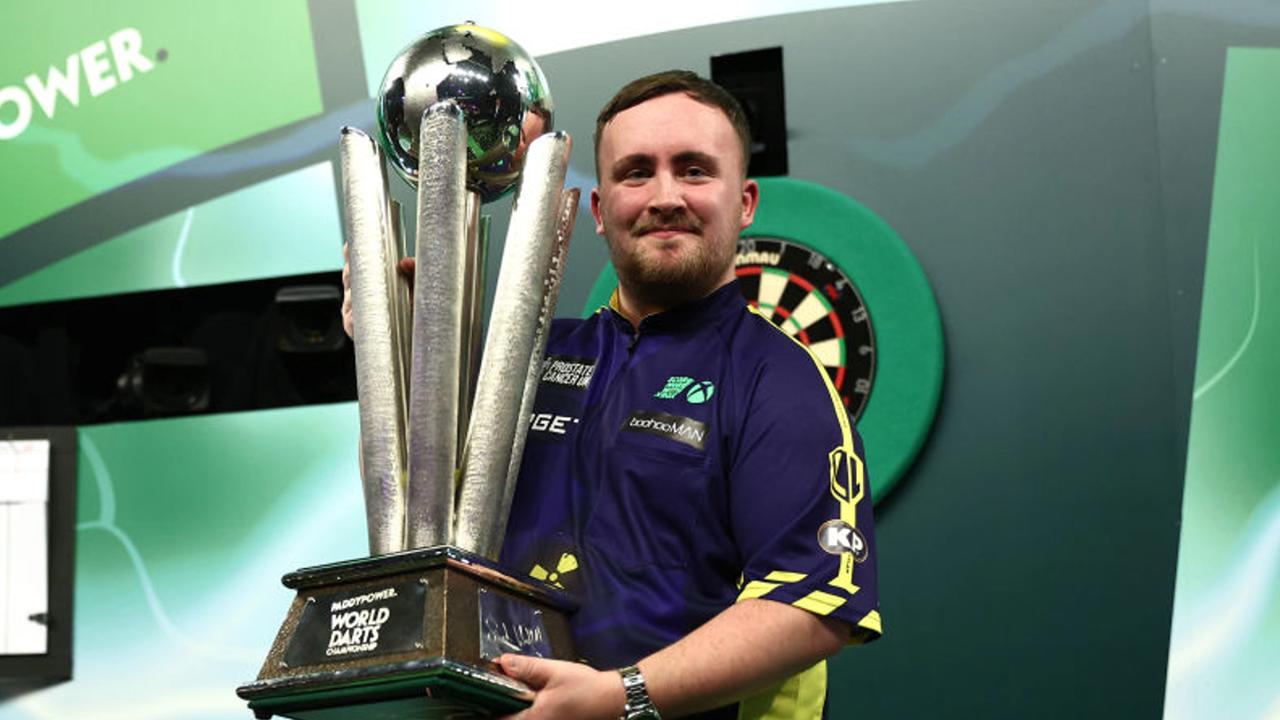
(698, 485)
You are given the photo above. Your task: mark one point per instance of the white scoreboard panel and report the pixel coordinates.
(24, 547)
(37, 554)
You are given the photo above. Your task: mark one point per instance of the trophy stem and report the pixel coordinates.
(402, 318)
(440, 288)
(379, 371)
(495, 420)
(472, 313)
(551, 292)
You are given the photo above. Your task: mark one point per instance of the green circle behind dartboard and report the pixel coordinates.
(904, 317)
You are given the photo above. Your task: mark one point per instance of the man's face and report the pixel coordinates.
(672, 198)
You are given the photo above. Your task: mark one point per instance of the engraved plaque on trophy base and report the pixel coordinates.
(408, 635)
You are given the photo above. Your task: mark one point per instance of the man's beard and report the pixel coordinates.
(700, 269)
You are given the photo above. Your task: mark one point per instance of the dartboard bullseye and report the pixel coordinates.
(812, 300)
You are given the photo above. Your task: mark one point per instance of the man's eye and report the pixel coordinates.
(696, 172)
(635, 174)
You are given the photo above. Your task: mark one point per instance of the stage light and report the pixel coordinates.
(165, 381)
(309, 319)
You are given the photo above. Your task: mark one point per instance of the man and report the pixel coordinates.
(690, 474)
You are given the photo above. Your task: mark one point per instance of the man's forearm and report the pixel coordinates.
(747, 648)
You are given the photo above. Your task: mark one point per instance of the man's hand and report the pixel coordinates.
(348, 317)
(405, 266)
(565, 690)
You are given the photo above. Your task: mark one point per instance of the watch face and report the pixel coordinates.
(815, 302)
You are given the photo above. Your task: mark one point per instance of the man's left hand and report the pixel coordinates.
(565, 690)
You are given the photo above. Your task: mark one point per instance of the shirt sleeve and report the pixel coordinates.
(800, 502)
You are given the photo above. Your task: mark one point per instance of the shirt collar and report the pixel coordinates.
(725, 299)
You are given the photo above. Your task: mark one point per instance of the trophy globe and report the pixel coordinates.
(500, 89)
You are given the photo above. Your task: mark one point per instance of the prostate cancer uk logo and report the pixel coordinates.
(568, 371)
(90, 67)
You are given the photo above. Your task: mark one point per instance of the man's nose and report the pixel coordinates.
(668, 195)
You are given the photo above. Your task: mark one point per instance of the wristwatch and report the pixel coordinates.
(639, 706)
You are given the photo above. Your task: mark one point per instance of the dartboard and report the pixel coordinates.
(811, 299)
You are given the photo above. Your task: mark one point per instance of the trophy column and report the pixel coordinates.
(414, 629)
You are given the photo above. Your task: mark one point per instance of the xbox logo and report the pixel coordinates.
(700, 392)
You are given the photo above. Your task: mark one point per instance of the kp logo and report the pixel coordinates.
(838, 537)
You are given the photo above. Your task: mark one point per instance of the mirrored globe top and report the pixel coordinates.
(501, 90)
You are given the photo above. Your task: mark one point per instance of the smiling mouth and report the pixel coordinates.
(666, 231)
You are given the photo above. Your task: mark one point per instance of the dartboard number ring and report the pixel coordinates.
(812, 299)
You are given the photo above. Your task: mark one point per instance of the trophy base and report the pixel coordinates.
(409, 635)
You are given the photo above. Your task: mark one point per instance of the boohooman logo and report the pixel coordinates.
(91, 68)
(673, 427)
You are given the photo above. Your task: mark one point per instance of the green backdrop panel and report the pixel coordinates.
(96, 95)
(285, 226)
(1225, 644)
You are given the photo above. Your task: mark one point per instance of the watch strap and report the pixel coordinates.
(638, 705)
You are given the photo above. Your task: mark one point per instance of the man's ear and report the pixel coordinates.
(750, 201)
(595, 210)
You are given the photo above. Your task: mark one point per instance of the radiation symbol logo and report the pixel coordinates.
(700, 392)
(567, 563)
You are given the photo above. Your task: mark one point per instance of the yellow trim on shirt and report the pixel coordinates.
(820, 603)
(756, 589)
(799, 697)
(846, 434)
(771, 582)
(848, 475)
(871, 622)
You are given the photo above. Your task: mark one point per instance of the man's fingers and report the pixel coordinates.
(534, 672)
(407, 267)
(348, 317)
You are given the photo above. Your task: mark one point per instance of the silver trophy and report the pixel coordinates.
(464, 115)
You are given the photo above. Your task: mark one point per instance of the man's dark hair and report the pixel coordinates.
(669, 82)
